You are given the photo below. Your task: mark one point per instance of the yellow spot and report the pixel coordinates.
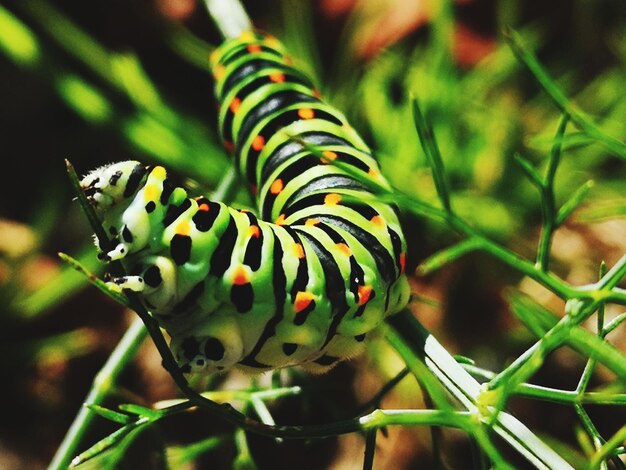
(332, 199)
(373, 172)
(306, 113)
(151, 193)
(277, 186)
(280, 220)
(303, 300)
(247, 36)
(258, 143)
(328, 156)
(272, 41)
(183, 228)
(277, 77)
(311, 222)
(345, 249)
(298, 250)
(241, 276)
(218, 72)
(159, 172)
(365, 293)
(214, 56)
(378, 221)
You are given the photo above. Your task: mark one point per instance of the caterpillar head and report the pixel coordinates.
(109, 185)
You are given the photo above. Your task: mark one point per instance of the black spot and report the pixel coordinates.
(203, 219)
(168, 188)
(185, 369)
(115, 178)
(150, 207)
(242, 297)
(360, 338)
(220, 261)
(180, 248)
(134, 180)
(213, 349)
(127, 235)
(200, 362)
(113, 230)
(152, 276)
(190, 348)
(326, 360)
(173, 212)
(303, 314)
(289, 348)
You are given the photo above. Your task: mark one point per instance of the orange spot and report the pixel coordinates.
(258, 143)
(311, 222)
(365, 293)
(218, 72)
(328, 156)
(241, 276)
(203, 207)
(277, 77)
(253, 189)
(277, 186)
(234, 105)
(345, 249)
(229, 146)
(288, 60)
(332, 199)
(254, 48)
(402, 262)
(373, 172)
(298, 250)
(303, 300)
(183, 228)
(378, 221)
(254, 231)
(306, 113)
(280, 220)
(316, 93)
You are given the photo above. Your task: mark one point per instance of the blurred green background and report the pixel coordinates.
(96, 82)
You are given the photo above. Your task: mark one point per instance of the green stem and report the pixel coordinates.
(102, 385)
(407, 331)
(548, 204)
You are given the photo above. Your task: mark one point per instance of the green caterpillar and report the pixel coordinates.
(234, 290)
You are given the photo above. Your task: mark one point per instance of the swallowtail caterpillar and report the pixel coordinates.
(307, 281)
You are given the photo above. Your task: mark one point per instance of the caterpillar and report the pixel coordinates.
(304, 283)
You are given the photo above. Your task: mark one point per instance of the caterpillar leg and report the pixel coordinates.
(117, 253)
(215, 346)
(133, 283)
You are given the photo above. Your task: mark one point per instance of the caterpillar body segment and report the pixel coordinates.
(307, 281)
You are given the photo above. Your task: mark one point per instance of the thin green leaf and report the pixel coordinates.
(529, 170)
(579, 118)
(141, 411)
(110, 414)
(431, 149)
(96, 281)
(447, 255)
(573, 202)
